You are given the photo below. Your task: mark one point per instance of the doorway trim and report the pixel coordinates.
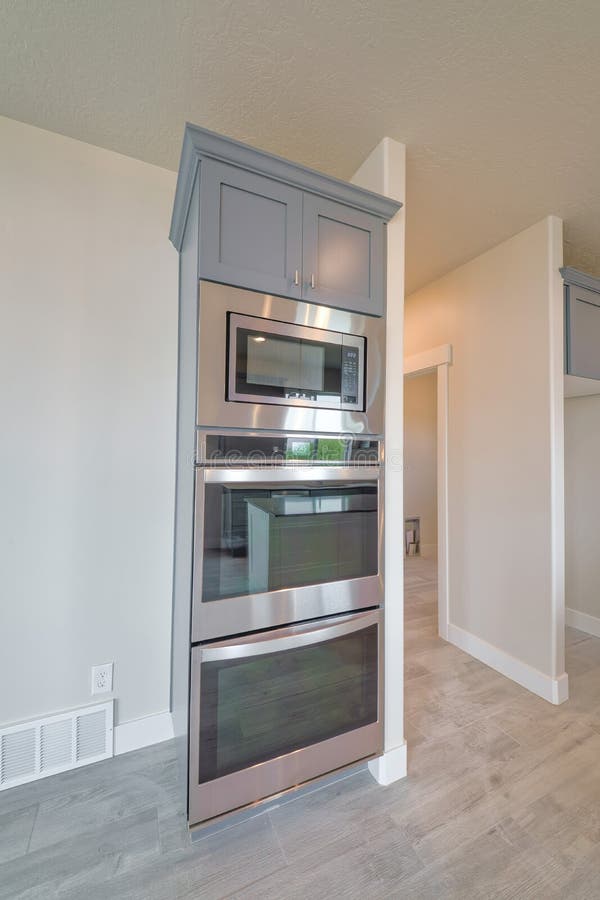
(439, 359)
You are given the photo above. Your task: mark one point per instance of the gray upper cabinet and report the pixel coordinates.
(273, 226)
(258, 233)
(343, 256)
(582, 324)
(250, 230)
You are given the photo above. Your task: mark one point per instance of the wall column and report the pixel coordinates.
(384, 172)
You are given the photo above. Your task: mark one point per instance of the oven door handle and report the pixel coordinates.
(291, 474)
(289, 638)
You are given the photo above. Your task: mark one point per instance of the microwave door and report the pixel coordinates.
(294, 365)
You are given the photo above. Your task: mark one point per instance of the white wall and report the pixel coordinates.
(88, 292)
(384, 171)
(420, 456)
(582, 506)
(502, 313)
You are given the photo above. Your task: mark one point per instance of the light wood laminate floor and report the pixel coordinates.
(502, 800)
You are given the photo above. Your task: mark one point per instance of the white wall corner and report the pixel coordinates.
(557, 438)
(372, 172)
(560, 689)
(384, 171)
(583, 622)
(554, 690)
(390, 767)
(143, 732)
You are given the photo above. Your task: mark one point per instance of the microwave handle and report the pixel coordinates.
(291, 474)
(289, 638)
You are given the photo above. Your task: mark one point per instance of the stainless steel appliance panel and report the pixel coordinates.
(264, 448)
(216, 411)
(323, 683)
(246, 598)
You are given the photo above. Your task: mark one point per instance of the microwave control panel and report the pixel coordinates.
(350, 372)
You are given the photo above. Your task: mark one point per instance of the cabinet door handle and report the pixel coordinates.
(296, 277)
(313, 281)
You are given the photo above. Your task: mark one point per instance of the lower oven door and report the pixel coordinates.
(272, 710)
(281, 545)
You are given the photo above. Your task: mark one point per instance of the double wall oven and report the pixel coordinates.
(287, 630)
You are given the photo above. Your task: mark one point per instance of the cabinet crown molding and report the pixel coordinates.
(200, 143)
(581, 279)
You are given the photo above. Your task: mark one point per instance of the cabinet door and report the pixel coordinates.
(582, 332)
(343, 256)
(250, 230)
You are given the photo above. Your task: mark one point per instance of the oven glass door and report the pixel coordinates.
(285, 363)
(264, 535)
(258, 700)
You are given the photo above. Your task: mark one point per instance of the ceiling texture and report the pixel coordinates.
(497, 102)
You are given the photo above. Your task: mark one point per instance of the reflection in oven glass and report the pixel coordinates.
(221, 448)
(268, 538)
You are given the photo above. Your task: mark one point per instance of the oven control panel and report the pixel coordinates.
(234, 449)
(350, 371)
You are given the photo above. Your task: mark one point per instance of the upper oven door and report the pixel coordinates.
(281, 545)
(312, 355)
(294, 365)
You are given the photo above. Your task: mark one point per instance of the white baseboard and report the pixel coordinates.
(390, 767)
(555, 690)
(143, 732)
(583, 622)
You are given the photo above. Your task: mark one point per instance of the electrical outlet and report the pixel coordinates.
(102, 679)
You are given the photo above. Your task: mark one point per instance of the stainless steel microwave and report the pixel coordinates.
(294, 365)
(271, 363)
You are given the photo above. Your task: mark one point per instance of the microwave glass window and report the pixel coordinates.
(283, 363)
(261, 538)
(258, 708)
(275, 365)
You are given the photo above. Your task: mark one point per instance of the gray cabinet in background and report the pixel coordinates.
(582, 324)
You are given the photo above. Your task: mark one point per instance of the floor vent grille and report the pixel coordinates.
(56, 743)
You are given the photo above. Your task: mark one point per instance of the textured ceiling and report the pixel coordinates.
(498, 102)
